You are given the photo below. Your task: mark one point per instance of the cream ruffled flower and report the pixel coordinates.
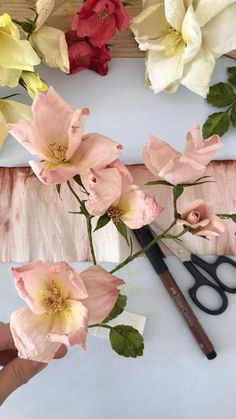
(11, 112)
(49, 43)
(16, 55)
(183, 38)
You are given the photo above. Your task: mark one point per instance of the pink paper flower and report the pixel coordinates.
(83, 55)
(99, 20)
(167, 163)
(200, 217)
(61, 305)
(56, 136)
(112, 192)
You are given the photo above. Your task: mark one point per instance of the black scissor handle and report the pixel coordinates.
(211, 268)
(200, 281)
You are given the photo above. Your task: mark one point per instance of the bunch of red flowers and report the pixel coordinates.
(92, 28)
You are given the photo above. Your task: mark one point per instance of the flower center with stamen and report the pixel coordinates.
(59, 152)
(114, 213)
(53, 300)
(103, 15)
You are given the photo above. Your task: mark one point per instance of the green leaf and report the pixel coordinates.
(102, 221)
(122, 229)
(159, 182)
(228, 217)
(126, 341)
(233, 115)
(77, 179)
(221, 95)
(178, 190)
(232, 75)
(58, 188)
(216, 123)
(117, 309)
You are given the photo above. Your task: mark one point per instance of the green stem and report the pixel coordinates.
(88, 222)
(9, 96)
(106, 326)
(144, 249)
(90, 236)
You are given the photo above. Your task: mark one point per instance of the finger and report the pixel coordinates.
(15, 374)
(6, 340)
(7, 356)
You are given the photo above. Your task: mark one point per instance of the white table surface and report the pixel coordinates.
(124, 109)
(173, 380)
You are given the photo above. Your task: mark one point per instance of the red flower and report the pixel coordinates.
(99, 20)
(82, 55)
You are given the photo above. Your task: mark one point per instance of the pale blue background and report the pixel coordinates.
(173, 380)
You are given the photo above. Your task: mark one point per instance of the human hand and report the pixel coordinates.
(16, 371)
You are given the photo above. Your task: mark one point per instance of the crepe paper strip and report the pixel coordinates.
(35, 222)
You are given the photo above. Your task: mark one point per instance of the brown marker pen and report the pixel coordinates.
(156, 257)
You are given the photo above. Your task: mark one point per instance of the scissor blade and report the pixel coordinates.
(177, 248)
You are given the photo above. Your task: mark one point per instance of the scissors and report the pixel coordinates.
(192, 262)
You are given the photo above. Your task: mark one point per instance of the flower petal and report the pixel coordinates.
(219, 35)
(198, 72)
(182, 170)
(67, 280)
(9, 77)
(175, 11)
(104, 189)
(157, 153)
(14, 111)
(192, 35)
(199, 150)
(214, 228)
(164, 70)
(138, 208)
(50, 44)
(102, 290)
(17, 54)
(75, 131)
(70, 325)
(49, 173)
(95, 152)
(30, 334)
(31, 281)
(44, 8)
(33, 83)
(27, 135)
(208, 9)
(52, 117)
(3, 129)
(149, 25)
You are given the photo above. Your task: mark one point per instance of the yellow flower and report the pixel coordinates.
(16, 55)
(183, 39)
(49, 43)
(11, 112)
(32, 82)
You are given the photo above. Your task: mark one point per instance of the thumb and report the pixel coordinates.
(15, 374)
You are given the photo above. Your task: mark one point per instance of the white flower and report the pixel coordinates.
(49, 43)
(183, 38)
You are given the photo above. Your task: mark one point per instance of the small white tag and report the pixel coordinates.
(130, 319)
